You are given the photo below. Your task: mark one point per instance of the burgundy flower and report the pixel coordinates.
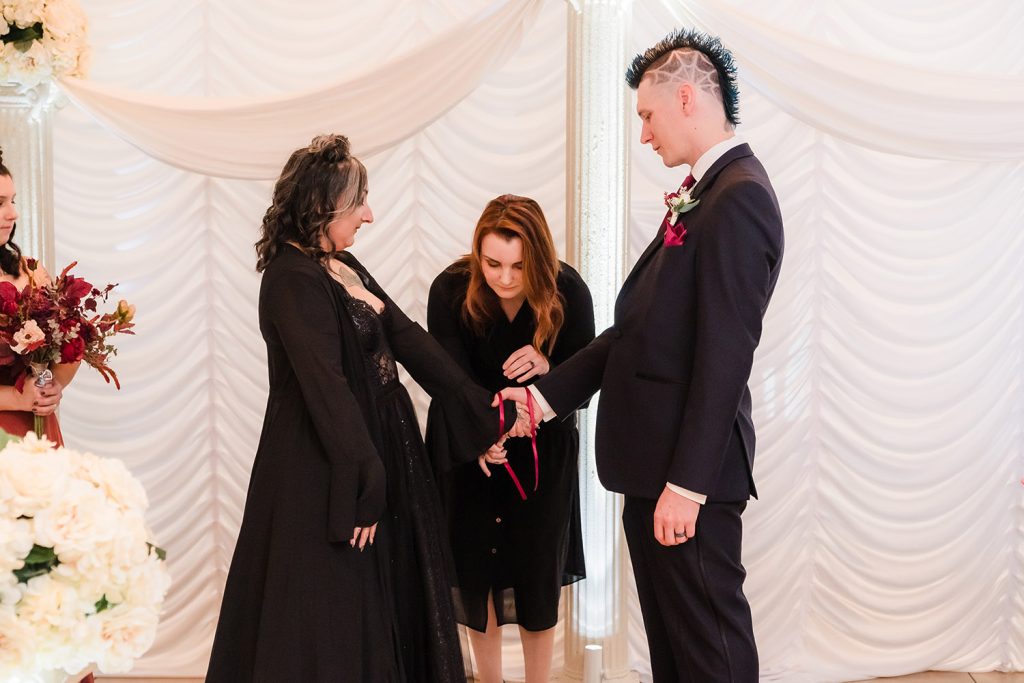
(75, 289)
(8, 298)
(72, 351)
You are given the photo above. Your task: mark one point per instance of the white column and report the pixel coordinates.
(598, 188)
(26, 137)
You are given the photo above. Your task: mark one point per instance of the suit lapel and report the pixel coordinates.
(737, 152)
(706, 180)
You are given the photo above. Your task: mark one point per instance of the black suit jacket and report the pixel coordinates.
(673, 368)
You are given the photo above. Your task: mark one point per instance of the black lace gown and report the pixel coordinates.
(340, 448)
(419, 568)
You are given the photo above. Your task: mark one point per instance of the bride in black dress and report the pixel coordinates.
(341, 572)
(510, 311)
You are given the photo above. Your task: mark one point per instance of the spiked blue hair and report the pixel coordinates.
(711, 47)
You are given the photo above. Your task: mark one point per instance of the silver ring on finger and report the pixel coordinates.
(681, 535)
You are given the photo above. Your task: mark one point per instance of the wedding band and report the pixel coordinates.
(531, 364)
(680, 534)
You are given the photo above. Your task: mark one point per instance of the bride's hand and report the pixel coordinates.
(495, 455)
(362, 536)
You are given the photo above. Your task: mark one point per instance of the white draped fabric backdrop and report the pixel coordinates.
(889, 387)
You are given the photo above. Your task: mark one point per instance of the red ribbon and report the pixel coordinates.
(533, 439)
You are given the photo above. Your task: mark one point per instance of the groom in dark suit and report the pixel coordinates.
(674, 430)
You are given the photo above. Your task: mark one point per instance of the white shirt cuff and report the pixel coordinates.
(545, 407)
(686, 493)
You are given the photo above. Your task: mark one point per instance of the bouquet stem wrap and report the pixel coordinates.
(43, 376)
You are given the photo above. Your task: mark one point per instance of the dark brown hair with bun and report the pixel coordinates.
(10, 254)
(319, 181)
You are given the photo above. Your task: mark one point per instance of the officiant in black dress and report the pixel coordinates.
(509, 311)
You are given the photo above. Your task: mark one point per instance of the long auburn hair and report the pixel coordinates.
(306, 197)
(508, 217)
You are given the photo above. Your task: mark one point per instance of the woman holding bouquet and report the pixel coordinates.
(18, 408)
(509, 310)
(340, 572)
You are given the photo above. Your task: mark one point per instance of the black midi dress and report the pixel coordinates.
(340, 448)
(521, 551)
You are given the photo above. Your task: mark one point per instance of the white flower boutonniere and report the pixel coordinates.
(679, 202)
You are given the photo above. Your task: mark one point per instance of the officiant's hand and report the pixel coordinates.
(675, 518)
(526, 363)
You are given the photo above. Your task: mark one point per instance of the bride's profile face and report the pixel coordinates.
(8, 211)
(342, 230)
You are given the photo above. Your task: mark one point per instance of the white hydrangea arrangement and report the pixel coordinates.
(42, 39)
(80, 580)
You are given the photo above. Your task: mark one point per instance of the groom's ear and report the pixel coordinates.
(685, 98)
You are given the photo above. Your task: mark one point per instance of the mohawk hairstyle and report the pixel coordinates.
(710, 47)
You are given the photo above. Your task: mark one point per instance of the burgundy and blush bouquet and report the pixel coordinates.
(58, 322)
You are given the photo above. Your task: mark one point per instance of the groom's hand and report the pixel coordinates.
(517, 394)
(522, 426)
(675, 518)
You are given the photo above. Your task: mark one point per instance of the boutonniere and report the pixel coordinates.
(679, 202)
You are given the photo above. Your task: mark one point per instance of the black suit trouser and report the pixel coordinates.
(691, 595)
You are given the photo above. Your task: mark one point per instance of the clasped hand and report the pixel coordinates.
(41, 400)
(496, 454)
(525, 363)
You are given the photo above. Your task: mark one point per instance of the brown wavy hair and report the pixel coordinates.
(510, 216)
(306, 197)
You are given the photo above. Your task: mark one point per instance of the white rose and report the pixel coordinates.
(51, 604)
(62, 19)
(24, 13)
(10, 591)
(31, 481)
(77, 522)
(30, 332)
(148, 583)
(16, 644)
(126, 632)
(30, 443)
(113, 479)
(15, 543)
(28, 68)
(106, 569)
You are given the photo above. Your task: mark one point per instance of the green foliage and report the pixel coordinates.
(160, 552)
(6, 438)
(39, 561)
(23, 37)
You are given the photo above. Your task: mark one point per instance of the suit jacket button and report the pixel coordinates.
(494, 551)
(497, 520)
